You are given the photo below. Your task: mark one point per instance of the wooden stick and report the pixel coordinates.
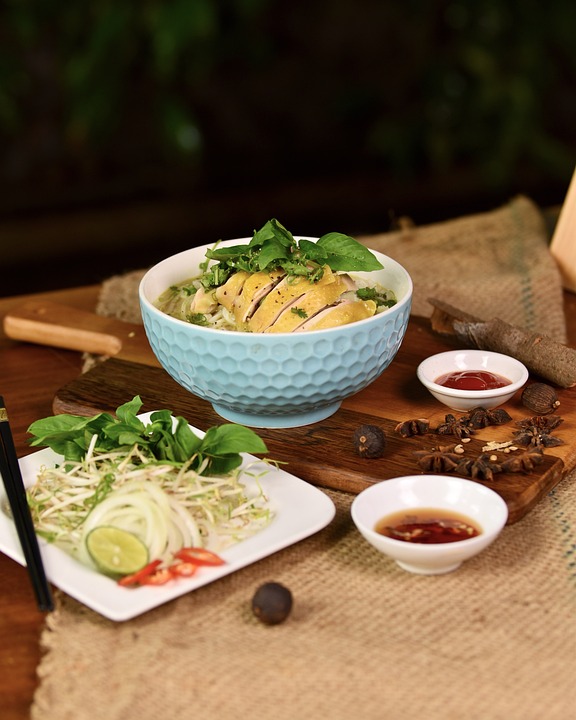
(542, 355)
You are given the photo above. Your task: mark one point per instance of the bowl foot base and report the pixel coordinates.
(276, 421)
(419, 570)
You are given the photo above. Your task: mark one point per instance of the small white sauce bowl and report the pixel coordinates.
(484, 507)
(435, 366)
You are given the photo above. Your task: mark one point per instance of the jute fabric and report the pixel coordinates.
(494, 263)
(495, 640)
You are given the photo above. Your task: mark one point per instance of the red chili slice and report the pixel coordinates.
(198, 556)
(137, 577)
(160, 577)
(184, 569)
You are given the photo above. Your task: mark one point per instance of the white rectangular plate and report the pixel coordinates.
(300, 511)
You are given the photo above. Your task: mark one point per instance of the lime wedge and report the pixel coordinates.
(116, 551)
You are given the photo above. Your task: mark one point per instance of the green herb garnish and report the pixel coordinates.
(164, 438)
(273, 246)
(300, 312)
(385, 299)
(197, 319)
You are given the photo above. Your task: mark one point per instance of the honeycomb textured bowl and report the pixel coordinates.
(273, 379)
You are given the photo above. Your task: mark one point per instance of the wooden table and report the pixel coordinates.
(30, 377)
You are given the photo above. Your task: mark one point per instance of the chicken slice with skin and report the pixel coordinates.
(343, 313)
(226, 294)
(256, 287)
(309, 304)
(285, 294)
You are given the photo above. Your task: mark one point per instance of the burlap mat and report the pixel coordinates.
(495, 640)
(494, 263)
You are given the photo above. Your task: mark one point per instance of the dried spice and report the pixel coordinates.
(536, 432)
(482, 417)
(272, 603)
(540, 398)
(369, 441)
(458, 427)
(440, 459)
(483, 467)
(410, 428)
(525, 462)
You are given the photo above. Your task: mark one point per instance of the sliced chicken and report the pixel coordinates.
(308, 305)
(285, 294)
(203, 302)
(226, 294)
(257, 286)
(343, 313)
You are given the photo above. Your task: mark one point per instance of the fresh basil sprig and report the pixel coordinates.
(273, 246)
(161, 438)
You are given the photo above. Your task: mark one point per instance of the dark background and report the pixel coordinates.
(131, 130)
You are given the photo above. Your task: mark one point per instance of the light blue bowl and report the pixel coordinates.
(276, 380)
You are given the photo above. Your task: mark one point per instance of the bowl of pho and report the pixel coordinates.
(276, 330)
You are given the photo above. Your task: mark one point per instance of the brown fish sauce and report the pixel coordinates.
(427, 526)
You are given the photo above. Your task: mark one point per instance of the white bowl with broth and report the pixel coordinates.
(414, 500)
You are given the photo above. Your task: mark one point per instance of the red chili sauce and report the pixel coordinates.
(427, 526)
(472, 380)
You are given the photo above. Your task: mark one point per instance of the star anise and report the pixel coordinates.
(535, 432)
(483, 467)
(482, 417)
(525, 462)
(455, 426)
(440, 459)
(409, 428)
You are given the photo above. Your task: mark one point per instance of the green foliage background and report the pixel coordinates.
(205, 89)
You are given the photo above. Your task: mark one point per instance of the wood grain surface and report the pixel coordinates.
(45, 322)
(323, 453)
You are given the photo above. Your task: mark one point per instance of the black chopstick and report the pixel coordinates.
(16, 493)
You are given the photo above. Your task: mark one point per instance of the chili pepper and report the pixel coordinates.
(160, 577)
(137, 577)
(198, 556)
(183, 569)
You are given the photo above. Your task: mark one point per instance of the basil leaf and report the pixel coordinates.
(187, 441)
(272, 252)
(60, 428)
(313, 251)
(346, 254)
(231, 438)
(224, 464)
(272, 230)
(164, 437)
(226, 253)
(127, 412)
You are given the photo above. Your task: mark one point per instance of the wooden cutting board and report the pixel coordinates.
(323, 453)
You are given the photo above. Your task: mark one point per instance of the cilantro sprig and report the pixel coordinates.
(273, 247)
(165, 438)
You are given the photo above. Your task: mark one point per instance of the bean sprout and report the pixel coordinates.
(168, 506)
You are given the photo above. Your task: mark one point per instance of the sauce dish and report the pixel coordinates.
(458, 497)
(431, 370)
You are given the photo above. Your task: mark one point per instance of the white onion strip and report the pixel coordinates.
(167, 506)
